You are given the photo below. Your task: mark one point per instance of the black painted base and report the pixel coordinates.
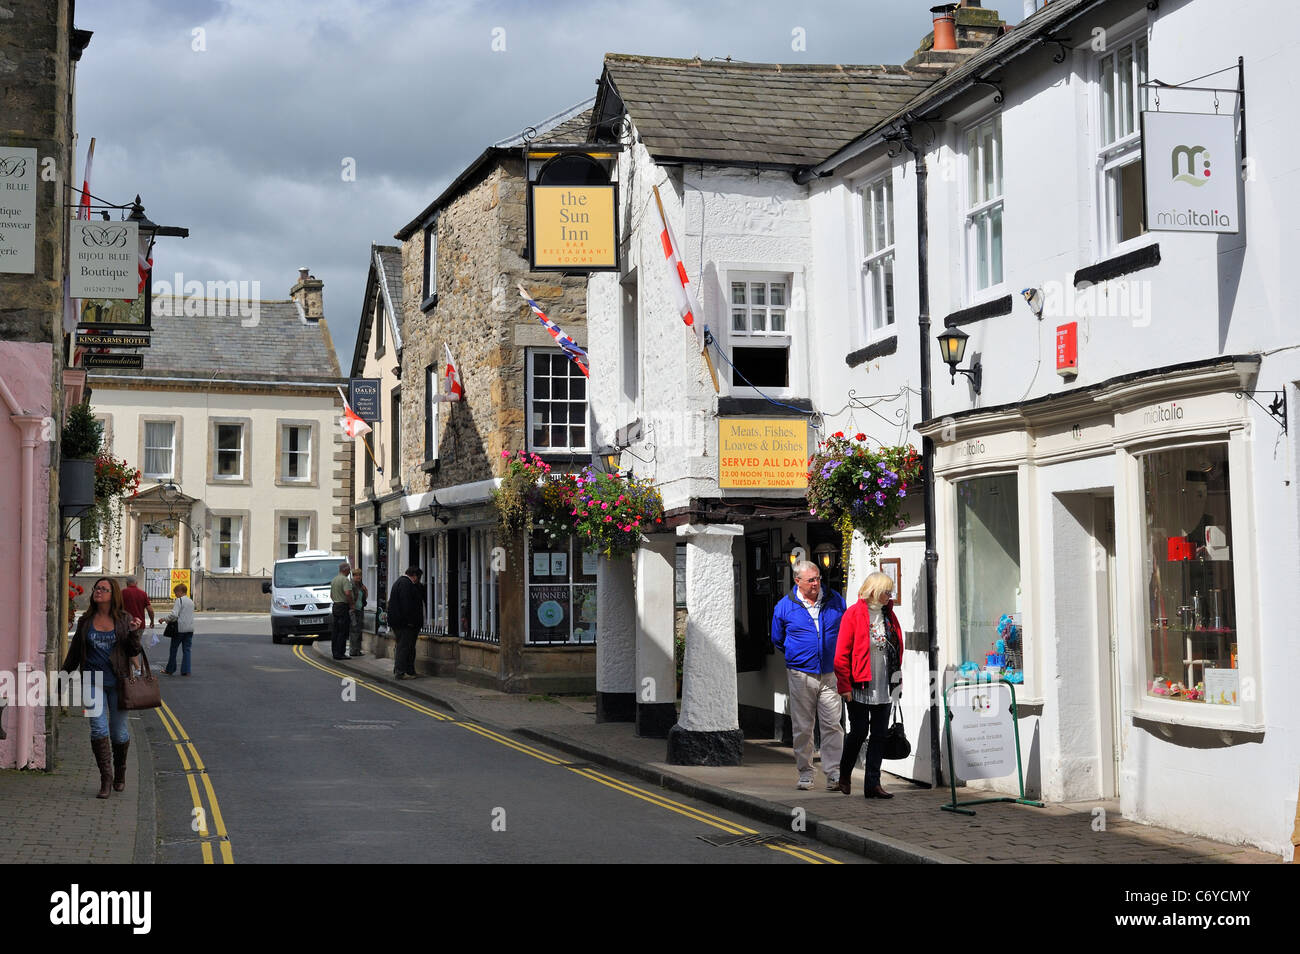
(756, 722)
(655, 719)
(615, 706)
(705, 748)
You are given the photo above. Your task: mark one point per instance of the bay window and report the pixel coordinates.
(988, 564)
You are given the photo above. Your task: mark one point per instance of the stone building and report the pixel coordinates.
(39, 50)
(461, 259)
(232, 422)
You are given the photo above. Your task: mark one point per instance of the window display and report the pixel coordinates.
(1191, 610)
(561, 591)
(988, 576)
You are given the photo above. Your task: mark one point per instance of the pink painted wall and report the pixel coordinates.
(26, 370)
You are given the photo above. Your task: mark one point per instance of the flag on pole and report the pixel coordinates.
(144, 263)
(353, 426)
(72, 306)
(684, 291)
(576, 353)
(83, 206)
(455, 391)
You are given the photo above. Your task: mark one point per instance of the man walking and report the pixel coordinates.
(359, 596)
(405, 616)
(342, 596)
(805, 628)
(136, 601)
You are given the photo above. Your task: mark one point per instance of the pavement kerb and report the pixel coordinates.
(146, 823)
(862, 841)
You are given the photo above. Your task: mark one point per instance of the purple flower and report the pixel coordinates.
(880, 498)
(902, 493)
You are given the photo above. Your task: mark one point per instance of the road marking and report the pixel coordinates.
(660, 801)
(183, 742)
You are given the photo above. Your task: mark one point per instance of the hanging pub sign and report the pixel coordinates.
(17, 210)
(132, 362)
(103, 259)
(363, 395)
(1189, 172)
(94, 340)
(572, 217)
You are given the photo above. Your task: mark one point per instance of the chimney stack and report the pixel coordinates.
(309, 292)
(960, 30)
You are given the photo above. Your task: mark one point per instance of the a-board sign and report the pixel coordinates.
(983, 741)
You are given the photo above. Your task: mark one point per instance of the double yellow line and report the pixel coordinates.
(654, 798)
(193, 766)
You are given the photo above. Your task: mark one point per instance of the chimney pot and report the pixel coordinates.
(945, 29)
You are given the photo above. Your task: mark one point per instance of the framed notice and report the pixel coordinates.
(590, 563)
(559, 564)
(17, 210)
(541, 564)
(892, 568)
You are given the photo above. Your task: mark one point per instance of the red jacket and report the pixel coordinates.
(853, 651)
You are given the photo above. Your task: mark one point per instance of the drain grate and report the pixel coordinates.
(746, 841)
(363, 725)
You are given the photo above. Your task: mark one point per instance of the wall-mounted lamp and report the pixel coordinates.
(794, 550)
(439, 513)
(952, 346)
(607, 458)
(827, 555)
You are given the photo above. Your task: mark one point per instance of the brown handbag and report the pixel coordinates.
(140, 689)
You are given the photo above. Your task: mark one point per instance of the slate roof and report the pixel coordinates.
(280, 347)
(768, 113)
(390, 278)
(383, 277)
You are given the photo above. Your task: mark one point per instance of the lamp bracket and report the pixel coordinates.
(1276, 408)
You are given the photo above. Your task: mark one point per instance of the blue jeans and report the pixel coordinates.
(183, 640)
(111, 720)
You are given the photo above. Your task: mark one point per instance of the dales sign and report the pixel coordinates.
(1189, 172)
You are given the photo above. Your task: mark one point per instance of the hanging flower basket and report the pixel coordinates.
(612, 512)
(115, 480)
(858, 488)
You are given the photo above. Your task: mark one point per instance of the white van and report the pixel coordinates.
(300, 595)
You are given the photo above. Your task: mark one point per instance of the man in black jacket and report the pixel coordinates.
(405, 616)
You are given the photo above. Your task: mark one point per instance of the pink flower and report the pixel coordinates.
(604, 506)
(608, 519)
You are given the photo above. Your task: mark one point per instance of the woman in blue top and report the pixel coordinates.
(103, 642)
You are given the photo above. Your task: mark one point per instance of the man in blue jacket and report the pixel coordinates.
(805, 628)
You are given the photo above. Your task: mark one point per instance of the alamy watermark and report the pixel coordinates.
(196, 299)
(36, 689)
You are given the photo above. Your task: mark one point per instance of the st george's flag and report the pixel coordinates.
(576, 353)
(453, 390)
(353, 426)
(683, 290)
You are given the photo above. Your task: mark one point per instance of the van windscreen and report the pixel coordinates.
(306, 572)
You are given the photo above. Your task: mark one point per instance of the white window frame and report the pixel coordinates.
(432, 380)
(170, 472)
(573, 373)
(484, 599)
(876, 255)
(571, 544)
(282, 538)
(1120, 149)
(88, 548)
(792, 277)
(217, 451)
(979, 208)
(304, 469)
(235, 543)
(766, 335)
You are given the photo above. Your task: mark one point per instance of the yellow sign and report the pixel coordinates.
(180, 576)
(763, 454)
(574, 227)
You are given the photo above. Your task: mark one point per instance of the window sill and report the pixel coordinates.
(430, 466)
(1201, 716)
(429, 302)
(993, 308)
(877, 349)
(1117, 265)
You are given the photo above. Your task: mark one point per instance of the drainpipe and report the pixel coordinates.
(927, 444)
(29, 428)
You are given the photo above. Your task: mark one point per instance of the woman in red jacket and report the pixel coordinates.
(868, 659)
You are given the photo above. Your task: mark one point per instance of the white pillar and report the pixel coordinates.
(656, 667)
(707, 731)
(615, 641)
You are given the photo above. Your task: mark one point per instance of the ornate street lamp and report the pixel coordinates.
(952, 347)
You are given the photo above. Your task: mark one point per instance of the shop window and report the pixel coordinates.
(1191, 641)
(561, 591)
(988, 558)
(484, 607)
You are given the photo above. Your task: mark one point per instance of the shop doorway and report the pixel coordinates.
(1108, 644)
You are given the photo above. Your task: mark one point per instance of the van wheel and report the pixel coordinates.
(276, 638)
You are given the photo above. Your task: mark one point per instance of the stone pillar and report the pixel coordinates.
(656, 668)
(707, 731)
(615, 641)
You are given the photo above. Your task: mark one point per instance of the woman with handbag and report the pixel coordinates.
(180, 627)
(868, 659)
(102, 646)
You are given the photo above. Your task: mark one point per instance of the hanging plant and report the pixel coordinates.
(533, 500)
(115, 480)
(857, 488)
(612, 512)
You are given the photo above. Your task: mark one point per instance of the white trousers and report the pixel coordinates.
(817, 695)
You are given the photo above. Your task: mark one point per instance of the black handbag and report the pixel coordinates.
(170, 631)
(896, 744)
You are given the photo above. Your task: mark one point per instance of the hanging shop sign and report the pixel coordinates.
(763, 454)
(363, 395)
(572, 228)
(17, 210)
(96, 340)
(1189, 172)
(103, 259)
(133, 362)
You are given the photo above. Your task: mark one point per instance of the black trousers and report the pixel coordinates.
(862, 718)
(342, 622)
(404, 654)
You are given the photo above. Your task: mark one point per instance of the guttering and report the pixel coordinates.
(927, 102)
(330, 385)
(29, 430)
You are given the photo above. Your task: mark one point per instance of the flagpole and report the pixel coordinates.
(704, 348)
(364, 443)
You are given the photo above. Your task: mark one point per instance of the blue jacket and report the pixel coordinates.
(808, 646)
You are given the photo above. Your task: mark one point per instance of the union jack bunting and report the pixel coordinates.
(687, 306)
(577, 354)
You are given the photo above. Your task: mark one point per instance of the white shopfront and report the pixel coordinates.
(1118, 525)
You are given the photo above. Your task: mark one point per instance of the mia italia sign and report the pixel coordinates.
(1189, 172)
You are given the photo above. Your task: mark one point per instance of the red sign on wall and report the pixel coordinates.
(1067, 349)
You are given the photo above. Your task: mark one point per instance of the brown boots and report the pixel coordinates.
(119, 765)
(104, 758)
